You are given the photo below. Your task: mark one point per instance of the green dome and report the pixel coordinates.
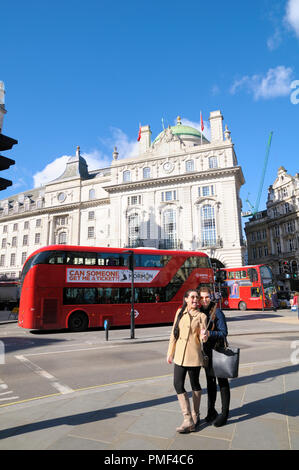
(180, 129)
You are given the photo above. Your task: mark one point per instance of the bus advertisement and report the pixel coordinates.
(78, 287)
(247, 287)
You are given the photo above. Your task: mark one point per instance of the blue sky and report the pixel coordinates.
(87, 73)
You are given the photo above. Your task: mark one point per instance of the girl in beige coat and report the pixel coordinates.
(185, 351)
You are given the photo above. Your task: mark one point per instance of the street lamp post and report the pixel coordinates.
(132, 316)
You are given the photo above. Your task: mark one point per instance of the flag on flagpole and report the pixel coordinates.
(201, 122)
(139, 133)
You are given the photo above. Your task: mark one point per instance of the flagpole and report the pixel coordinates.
(201, 129)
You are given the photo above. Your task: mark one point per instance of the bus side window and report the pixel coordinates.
(101, 260)
(243, 274)
(56, 259)
(252, 274)
(122, 261)
(69, 259)
(90, 295)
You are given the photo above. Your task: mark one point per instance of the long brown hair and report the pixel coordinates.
(176, 330)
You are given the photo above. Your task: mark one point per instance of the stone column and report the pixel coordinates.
(216, 126)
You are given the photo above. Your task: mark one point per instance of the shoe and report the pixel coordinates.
(211, 416)
(221, 420)
(188, 424)
(225, 400)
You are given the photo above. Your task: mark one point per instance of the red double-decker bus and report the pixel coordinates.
(77, 287)
(247, 287)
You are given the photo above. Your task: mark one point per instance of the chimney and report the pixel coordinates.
(145, 139)
(216, 126)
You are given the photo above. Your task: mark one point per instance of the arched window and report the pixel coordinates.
(133, 228)
(92, 194)
(62, 238)
(169, 227)
(146, 172)
(126, 176)
(213, 162)
(208, 225)
(189, 165)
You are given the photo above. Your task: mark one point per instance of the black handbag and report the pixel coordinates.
(225, 362)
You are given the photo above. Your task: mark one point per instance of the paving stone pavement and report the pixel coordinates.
(143, 414)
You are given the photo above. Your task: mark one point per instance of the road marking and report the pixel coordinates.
(63, 389)
(121, 382)
(4, 386)
(30, 399)
(8, 398)
(68, 350)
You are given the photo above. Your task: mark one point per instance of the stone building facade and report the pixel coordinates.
(273, 234)
(180, 192)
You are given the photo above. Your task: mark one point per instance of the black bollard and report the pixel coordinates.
(106, 326)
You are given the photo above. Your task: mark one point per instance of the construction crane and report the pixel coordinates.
(254, 209)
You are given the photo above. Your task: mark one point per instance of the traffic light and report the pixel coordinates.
(286, 269)
(6, 143)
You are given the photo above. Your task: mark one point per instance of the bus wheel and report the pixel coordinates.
(242, 306)
(78, 321)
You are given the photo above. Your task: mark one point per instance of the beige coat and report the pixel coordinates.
(186, 351)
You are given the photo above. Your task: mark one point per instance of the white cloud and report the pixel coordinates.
(51, 171)
(95, 159)
(275, 40)
(125, 147)
(276, 83)
(283, 22)
(19, 183)
(292, 15)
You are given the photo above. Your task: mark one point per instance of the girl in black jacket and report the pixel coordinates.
(216, 333)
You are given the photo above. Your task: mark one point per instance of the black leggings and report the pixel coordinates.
(212, 387)
(179, 377)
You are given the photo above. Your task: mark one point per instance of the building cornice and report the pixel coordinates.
(54, 209)
(175, 179)
(293, 215)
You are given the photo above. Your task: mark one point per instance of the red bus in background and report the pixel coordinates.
(77, 287)
(247, 287)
